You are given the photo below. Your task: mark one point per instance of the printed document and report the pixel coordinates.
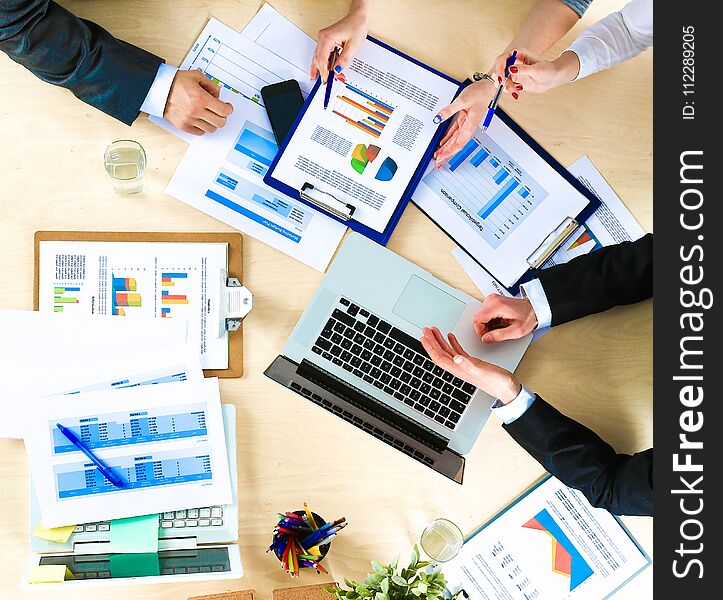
(42, 354)
(221, 174)
(180, 281)
(366, 146)
(499, 199)
(548, 544)
(166, 442)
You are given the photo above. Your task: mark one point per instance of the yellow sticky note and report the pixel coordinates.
(59, 535)
(49, 574)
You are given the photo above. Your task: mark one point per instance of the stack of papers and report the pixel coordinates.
(133, 392)
(222, 174)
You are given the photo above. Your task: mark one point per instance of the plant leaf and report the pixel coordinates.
(378, 568)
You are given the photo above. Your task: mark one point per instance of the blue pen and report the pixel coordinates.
(493, 105)
(103, 468)
(330, 78)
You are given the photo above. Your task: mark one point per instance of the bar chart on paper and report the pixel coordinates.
(494, 192)
(148, 470)
(362, 110)
(232, 68)
(124, 295)
(65, 297)
(254, 150)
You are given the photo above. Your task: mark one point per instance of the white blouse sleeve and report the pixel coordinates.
(616, 38)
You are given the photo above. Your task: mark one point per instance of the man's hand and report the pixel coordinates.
(496, 381)
(193, 105)
(502, 318)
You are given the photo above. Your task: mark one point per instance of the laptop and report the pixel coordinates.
(356, 352)
(195, 544)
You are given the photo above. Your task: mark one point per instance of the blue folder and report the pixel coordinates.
(379, 237)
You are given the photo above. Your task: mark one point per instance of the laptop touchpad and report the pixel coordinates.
(425, 305)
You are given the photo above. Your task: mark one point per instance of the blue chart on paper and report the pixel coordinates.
(151, 470)
(495, 194)
(254, 150)
(128, 428)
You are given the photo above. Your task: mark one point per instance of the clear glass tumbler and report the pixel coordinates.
(125, 163)
(441, 540)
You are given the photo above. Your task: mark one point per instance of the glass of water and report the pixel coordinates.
(441, 540)
(125, 163)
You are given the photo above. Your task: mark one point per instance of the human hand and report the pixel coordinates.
(495, 381)
(193, 105)
(502, 318)
(348, 34)
(533, 73)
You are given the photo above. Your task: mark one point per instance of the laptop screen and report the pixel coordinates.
(165, 562)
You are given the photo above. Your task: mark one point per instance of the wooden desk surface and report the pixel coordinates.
(598, 370)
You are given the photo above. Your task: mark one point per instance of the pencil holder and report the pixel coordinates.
(300, 543)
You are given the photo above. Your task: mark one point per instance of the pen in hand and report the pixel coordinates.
(330, 78)
(493, 104)
(102, 467)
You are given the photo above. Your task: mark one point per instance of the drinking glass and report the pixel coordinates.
(441, 540)
(125, 163)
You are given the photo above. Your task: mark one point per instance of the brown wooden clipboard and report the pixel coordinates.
(234, 267)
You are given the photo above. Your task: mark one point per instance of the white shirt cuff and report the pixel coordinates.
(535, 293)
(155, 102)
(509, 413)
(587, 58)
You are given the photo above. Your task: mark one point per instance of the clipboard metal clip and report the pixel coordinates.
(552, 242)
(235, 302)
(326, 201)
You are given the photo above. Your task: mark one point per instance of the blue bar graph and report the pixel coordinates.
(500, 176)
(175, 275)
(497, 199)
(523, 192)
(479, 158)
(494, 162)
(462, 155)
(257, 143)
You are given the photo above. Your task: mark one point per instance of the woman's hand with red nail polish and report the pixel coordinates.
(535, 74)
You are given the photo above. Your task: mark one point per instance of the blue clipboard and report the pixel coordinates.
(590, 208)
(648, 560)
(379, 237)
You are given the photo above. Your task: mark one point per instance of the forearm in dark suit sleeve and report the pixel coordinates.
(620, 483)
(62, 49)
(619, 274)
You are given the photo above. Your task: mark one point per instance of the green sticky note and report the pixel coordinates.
(134, 535)
(134, 565)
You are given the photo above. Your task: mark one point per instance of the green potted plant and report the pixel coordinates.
(390, 582)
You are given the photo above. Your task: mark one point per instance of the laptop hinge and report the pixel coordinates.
(368, 414)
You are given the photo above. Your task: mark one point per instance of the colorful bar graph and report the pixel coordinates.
(497, 199)
(126, 299)
(500, 176)
(167, 298)
(59, 297)
(124, 284)
(166, 313)
(479, 158)
(463, 154)
(362, 110)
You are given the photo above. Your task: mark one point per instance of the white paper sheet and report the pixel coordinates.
(222, 174)
(42, 354)
(365, 147)
(166, 442)
(549, 544)
(610, 224)
(165, 280)
(499, 199)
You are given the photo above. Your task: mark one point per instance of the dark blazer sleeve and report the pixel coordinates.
(619, 274)
(58, 47)
(620, 483)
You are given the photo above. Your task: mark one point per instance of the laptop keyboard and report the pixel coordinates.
(396, 363)
(209, 516)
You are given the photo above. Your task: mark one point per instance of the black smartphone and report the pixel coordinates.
(283, 101)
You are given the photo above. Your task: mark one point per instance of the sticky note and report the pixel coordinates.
(134, 565)
(135, 534)
(49, 574)
(59, 535)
